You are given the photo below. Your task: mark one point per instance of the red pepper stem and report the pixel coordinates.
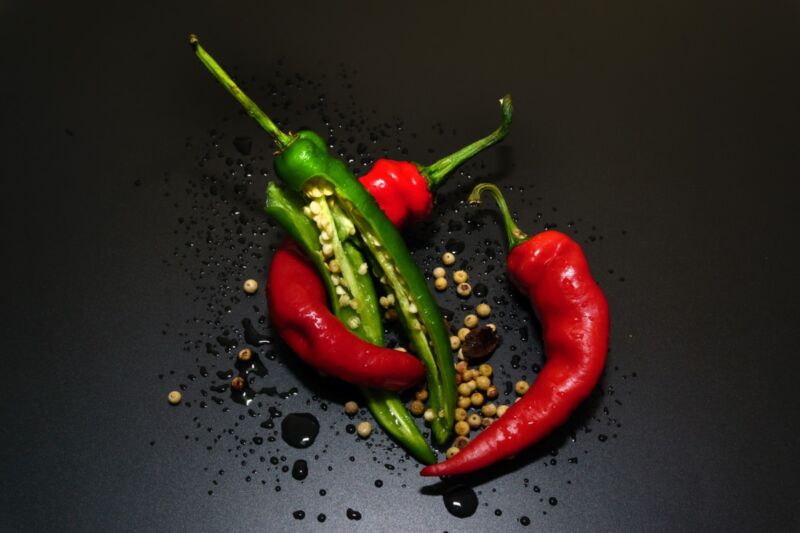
(281, 139)
(515, 235)
(438, 171)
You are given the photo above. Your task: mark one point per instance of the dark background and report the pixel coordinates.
(672, 127)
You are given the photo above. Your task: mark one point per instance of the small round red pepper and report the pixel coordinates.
(404, 190)
(298, 309)
(552, 270)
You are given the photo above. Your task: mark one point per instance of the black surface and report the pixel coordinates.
(675, 123)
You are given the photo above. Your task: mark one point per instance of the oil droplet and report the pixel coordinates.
(552, 501)
(299, 515)
(300, 470)
(525, 521)
(460, 501)
(321, 517)
(353, 515)
(299, 429)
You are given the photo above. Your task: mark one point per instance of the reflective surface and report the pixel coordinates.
(666, 137)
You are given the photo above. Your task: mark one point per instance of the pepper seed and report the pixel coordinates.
(245, 354)
(483, 310)
(350, 408)
(364, 429)
(448, 258)
(460, 276)
(439, 272)
(455, 342)
(174, 397)
(464, 289)
(440, 284)
(250, 286)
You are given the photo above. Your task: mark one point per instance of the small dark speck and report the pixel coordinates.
(69, 132)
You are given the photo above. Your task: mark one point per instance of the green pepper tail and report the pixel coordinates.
(281, 139)
(436, 173)
(515, 235)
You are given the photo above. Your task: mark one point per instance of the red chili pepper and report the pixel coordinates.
(552, 270)
(298, 309)
(404, 190)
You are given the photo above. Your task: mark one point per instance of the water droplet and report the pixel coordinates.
(460, 501)
(300, 470)
(299, 429)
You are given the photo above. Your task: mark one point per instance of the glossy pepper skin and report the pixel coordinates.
(298, 309)
(551, 269)
(404, 190)
(386, 407)
(306, 160)
(303, 163)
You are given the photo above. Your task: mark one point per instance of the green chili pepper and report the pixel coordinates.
(304, 164)
(387, 407)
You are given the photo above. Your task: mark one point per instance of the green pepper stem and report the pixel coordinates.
(515, 235)
(281, 139)
(436, 173)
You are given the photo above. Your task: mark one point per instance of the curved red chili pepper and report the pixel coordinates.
(298, 309)
(405, 190)
(552, 270)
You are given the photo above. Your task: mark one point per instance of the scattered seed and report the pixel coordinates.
(440, 284)
(461, 414)
(417, 408)
(476, 399)
(245, 354)
(492, 392)
(464, 402)
(350, 408)
(238, 383)
(250, 286)
(474, 420)
(486, 422)
(451, 452)
(455, 342)
(364, 429)
(363, 268)
(448, 258)
(521, 387)
(460, 276)
(464, 289)
(485, 369)
(174, 397)
(464, 389)
(483, 310)
(354, 322)
(428, 415)
(439, 272)
(460, 442)
(471, 321)
(489, 409)
(421, 395)
(462, 333)
(501, 410)
(462, 428)
(483, 383)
